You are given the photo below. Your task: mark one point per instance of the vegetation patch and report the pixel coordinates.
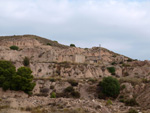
(92, 80)
(113, 63)
(73, 82)
(4, 107)
(72, 45)
(14, 47)
(49, 44)
(53, 95)
(26, 61)
(131, 102)
(20, 80)
(69, 92)
(129, 60)
(109, 102)
(132, 111)
(110, 87)
(112, 70)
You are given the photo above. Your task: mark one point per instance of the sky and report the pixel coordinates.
(122, 26)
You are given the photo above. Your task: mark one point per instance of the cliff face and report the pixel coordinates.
(47, 60)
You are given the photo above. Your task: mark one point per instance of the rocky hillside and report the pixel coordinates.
(56, 67)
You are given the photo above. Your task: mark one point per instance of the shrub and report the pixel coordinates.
(101, 96)
(73, 82)
(122, 87)
(20, 80)
(52, 79)
(131, 102)
(109, 102)
(52, 87)
(72, 45)
(70, 92)
(55, 41)
(113, 63)
(110, 87)
(121, 100)
(49, 44)
(26, 61)
(53, 95)
(75, 94)
(69, 89)
(132, 111)
(129, 60)
(14, 47)
(112, 70)
(92, 80)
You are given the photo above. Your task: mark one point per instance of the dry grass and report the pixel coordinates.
(132, 80)
(4, 107)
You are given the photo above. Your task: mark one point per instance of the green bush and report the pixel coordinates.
(70, 92)
(73, 82)
(110, 87)
(132, 111)
(14, 47)
(129, 60)
(53, 95)
(52, 79)
(92, 80)
(69, 89)
(109, 102)
(113, 63)
(122, 87)
(49, 44)
(52, 87)
(75, 94)
(20, 80)
(72, 45)
(131, 102)
(26, 61)
(112, 70)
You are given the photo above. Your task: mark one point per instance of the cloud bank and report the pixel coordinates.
(122, 26)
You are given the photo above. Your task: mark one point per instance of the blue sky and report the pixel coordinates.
(122, 26)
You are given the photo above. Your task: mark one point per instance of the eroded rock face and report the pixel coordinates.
(144, 97)
(19, 42)
(45, 60)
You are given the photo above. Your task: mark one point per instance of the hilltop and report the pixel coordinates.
(56, 67)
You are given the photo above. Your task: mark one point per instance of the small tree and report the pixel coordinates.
(26, 61)
(23, 80)
(72, 45)
(14, 47)
(110, 87)
(7, 71)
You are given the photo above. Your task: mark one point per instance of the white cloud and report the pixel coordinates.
(120, 25)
